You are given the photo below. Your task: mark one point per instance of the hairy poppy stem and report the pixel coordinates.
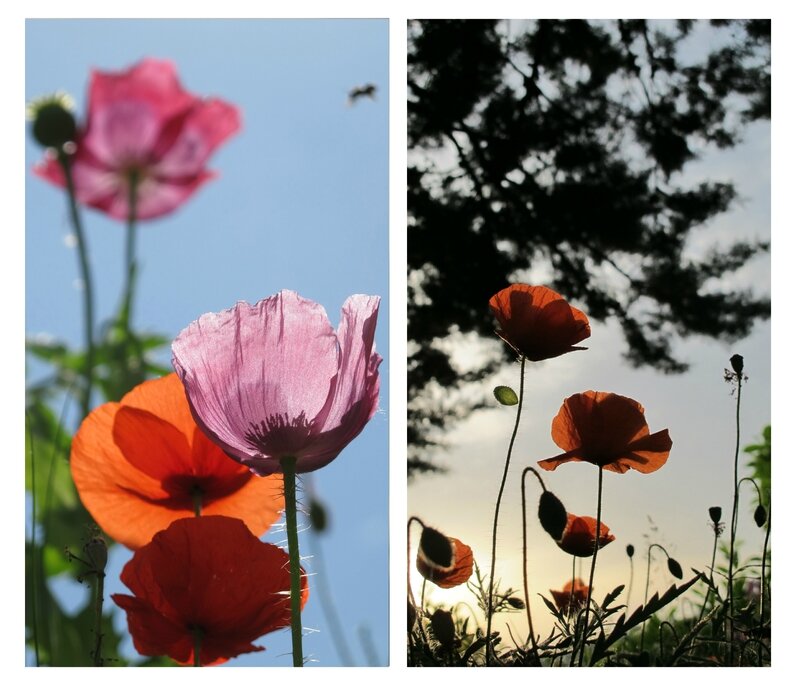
(711, 578)
(289, 466)
(585, 635)
(98, 618)
(490, 603)
(630, 587)
(763, 590)
(528, 469)
(88, 291)
(734, 518)
(130, 254)
(34, 550)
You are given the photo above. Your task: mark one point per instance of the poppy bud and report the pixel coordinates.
(552, 515)
(436, 547)
(629, 550)
(674, 568)
(412, 615)
(443, 628)
(505, 395)
(318, 515)
(760, 516)
(737, 363)
(96, 553)
(715, 513)
(53, 122)
(515, 603)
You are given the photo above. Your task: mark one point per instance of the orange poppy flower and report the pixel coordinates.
(459, 571)
(579, 534)
(206, 579)
(140, 464)
(609, 431)
(538, 322)
(573, 595)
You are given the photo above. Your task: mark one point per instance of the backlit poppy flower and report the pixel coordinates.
(275, 380)
(538, 322)
(609, 431)
(579, 535)
(142, 463)
(459, 571)
(209, 581)
(571, 597)
(142, 123)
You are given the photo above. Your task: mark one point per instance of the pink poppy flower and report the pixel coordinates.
(274, 380)
(142, 123)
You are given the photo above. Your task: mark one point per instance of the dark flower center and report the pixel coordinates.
(279, 435)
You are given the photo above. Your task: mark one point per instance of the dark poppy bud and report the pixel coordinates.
(552, 515)
(516, 603)
(318, 516)
(443, 628)
(715, 513)
(629, 550)
(412, 615)
(96, 553)
(53, 122)
(674, 568)
(737, 363)
(505, 395)
(436, 547)
(760, 516)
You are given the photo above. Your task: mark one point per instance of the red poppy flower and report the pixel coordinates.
(579, 535)
(538, 322)
(571, 597)
(206, 579)
(607, 430)
(459, 571)
(142, 463)
(142, 122)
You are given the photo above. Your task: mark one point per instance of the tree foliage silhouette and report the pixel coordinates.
(559, 144)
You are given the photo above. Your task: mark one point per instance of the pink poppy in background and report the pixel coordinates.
(141, 123)
(274, 380)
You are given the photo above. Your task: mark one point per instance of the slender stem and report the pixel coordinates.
(98, 619)
(630, 588)
(197, 500)
(734, 518)
(572, 587)
(534, 650)
(585, 635)
(490, 604)
(422, 594)
(763, 590)
(711, 578)
(289, 467)
(88, 291)
(34, 550)
(130, 255)
(197, 643)
(646, 589)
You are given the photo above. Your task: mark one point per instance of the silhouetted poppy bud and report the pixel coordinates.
(552, 515)
(715, 513)
(516, 603)
(318, 515)
(737, 363)
(412, 615)
(436, 547)
(760, 516)
(674, 568)
(443, 628)
(505, 395)
(96, 553)
(629, 550)
(53, 122)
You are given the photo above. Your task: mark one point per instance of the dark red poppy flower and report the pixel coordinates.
(609, 431)
(538, 322)
(142, 463)
(579, 535)
(571, 597)
(206, 581)
(459, 571)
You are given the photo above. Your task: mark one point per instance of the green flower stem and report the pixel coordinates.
(490, 602)
(34, 550)
(585, 635)
(734, 519)
(711, 578)
(763, 590)
(534, 650)
(197, 643)
(289, 468)
(98, 619)
(130, 253)
(88, 291)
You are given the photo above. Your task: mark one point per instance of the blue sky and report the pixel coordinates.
(301, 202)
